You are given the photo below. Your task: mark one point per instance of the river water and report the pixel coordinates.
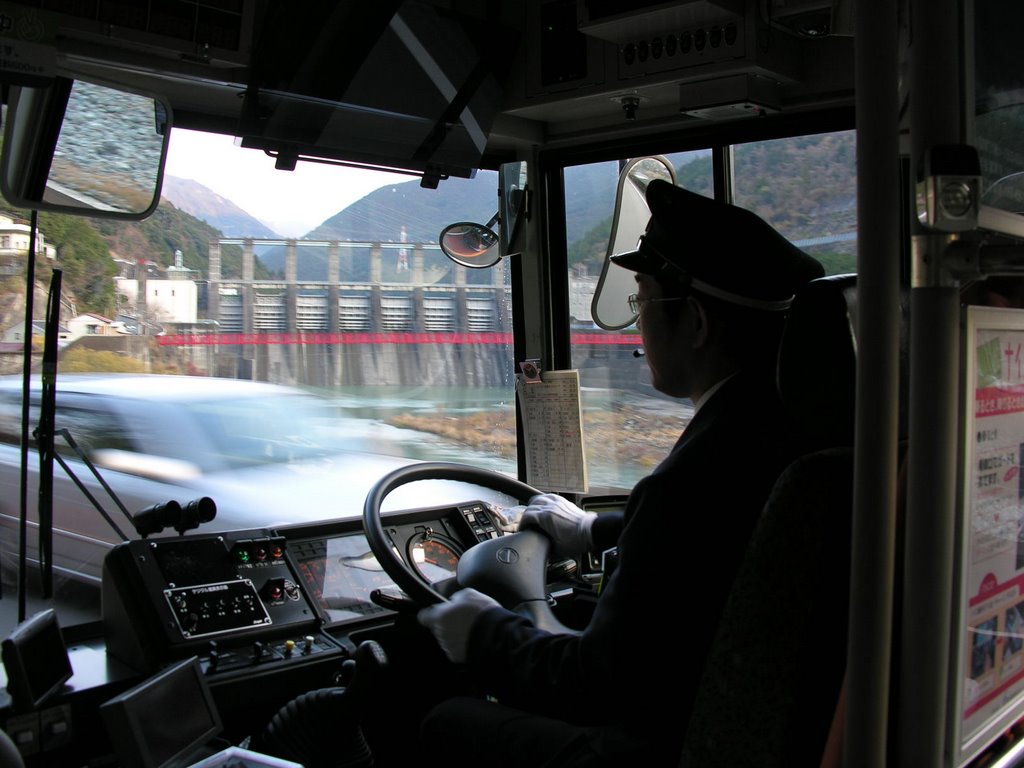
(368, 410)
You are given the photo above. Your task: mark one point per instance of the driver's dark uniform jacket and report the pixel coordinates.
(635, 669)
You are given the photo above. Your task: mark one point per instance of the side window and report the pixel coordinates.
(628, 426)
(805, 187)
(91, 429)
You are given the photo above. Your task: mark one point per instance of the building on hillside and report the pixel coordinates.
(91, 324)
(16, 333)
(164, 301)
(132, 269)
(153, 299)
(14, 237)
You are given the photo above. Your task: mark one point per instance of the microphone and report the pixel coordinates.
(638, 352)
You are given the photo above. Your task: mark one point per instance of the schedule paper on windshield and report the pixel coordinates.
(553, 431)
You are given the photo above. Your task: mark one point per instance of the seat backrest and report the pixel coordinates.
(10, 757)
(773, 677)
(818, 361)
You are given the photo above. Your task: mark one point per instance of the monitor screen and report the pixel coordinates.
(36, 661)
(163, 719)
(339, 573)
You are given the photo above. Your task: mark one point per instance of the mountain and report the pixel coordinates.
(219, 212)
(803, 185)
(381, 215)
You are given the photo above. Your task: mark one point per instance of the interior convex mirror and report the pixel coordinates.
(479, 246)
(77, 147)
(610, 307)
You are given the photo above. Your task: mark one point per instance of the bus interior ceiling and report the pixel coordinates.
(443, 88)
(530, 74)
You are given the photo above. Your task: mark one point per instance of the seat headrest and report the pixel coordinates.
(818, 361)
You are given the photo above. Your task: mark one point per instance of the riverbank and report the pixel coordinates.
(627, 434)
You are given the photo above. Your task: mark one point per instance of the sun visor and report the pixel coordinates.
(338, 98)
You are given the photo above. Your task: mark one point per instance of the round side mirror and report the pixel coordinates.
(471, 245)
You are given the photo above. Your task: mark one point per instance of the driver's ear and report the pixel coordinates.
(696, 319)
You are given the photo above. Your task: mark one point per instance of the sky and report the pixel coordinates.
(289, 202)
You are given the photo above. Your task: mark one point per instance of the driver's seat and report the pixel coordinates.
(776, 669)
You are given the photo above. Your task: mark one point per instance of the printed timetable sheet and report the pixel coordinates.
(553, 431)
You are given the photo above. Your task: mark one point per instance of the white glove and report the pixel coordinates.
(452, 621)
(507, 517)
(568, 526)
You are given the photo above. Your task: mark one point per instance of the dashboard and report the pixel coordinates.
(267, 614)
(340, 572)
(258, 598)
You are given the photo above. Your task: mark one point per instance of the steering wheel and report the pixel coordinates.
(511, 568)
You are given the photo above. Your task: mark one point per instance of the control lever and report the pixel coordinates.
(372, 690)
(397, 602)
(562, 570)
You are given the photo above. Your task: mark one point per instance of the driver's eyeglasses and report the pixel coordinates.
(635, 302)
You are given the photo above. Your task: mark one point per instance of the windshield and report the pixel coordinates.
(263, 430)
(272, 339)
(281, 429)
(352, 345)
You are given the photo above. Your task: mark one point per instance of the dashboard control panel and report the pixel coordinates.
(480, 520)
(229, 597)
(253, 597)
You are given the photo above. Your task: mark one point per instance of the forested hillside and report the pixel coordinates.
(87, 248)
(803, 186)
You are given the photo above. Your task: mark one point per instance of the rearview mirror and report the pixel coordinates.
(471, 245)
(84, 149)
(478, 246)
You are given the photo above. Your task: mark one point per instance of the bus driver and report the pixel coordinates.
(713, 285)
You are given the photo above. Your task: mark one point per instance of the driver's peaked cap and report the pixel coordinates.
(717, 249)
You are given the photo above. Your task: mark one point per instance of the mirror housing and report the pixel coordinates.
(84, 149)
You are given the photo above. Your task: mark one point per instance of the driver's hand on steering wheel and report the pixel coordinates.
(568, 526)
(451, 621)
(507, 518)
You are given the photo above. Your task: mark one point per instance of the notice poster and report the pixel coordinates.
(992, 604)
